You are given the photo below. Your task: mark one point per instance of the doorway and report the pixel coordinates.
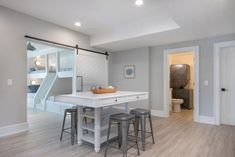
(224, 83)
(185, 92)
(50, 71)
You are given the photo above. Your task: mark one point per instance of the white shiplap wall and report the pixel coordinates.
(94, 69)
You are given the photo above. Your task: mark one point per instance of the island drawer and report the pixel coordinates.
(116, 100)
(137, 97)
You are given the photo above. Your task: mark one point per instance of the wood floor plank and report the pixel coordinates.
(176, 136)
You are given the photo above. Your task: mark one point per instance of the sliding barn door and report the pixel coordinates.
(93, 68)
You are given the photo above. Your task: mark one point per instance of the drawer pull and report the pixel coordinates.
(116, 100)
(137, 97)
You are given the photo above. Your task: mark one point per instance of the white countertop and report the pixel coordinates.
(90, 95)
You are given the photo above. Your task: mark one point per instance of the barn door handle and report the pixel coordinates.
(224, 89)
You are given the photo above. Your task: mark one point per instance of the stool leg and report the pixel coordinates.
(62, 131)
(76, 122)
(151, 127)
(143, 130)
(107, 142)
(124, 125)
(119, 136)
(84, 118)
(136, 136)
(137, 121)
(72, 127)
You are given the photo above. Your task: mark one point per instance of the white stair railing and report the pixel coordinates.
(44, 89)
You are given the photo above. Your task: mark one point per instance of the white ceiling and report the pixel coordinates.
(120, 24)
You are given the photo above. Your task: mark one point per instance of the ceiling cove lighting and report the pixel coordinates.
(78, 24)
(139, 2)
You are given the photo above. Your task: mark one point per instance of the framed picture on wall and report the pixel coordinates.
(129, 71)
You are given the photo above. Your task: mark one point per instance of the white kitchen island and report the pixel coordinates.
(98, 102)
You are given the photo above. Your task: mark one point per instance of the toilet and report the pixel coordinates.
(174, 104)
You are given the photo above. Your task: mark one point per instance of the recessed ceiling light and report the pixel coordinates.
(78, 24)
(139, 2)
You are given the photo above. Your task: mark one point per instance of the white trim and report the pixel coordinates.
(158, 113)
(207, 120)
(217, 47)
(13, 129)
(195, 50)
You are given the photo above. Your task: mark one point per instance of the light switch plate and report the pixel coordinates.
(9, 82)
(206, 82)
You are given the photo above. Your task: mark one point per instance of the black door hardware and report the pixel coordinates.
(224, 89)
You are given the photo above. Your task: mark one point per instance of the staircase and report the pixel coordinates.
(43, 91)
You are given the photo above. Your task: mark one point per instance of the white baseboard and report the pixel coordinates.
(13, 129)
(207, 120)
(158, 113)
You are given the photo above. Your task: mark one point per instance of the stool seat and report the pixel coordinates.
(71, 110)
(122, 117)
(140, 111)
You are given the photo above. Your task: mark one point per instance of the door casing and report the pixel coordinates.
(195, 50)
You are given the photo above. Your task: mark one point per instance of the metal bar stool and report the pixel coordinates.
(140, 116)
(122, 120)
(73, 128)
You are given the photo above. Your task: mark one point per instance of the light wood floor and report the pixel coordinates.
(176, 136)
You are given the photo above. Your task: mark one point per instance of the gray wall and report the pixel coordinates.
(206, 58)
(155, 77)
(139, 58)
(13, 27)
